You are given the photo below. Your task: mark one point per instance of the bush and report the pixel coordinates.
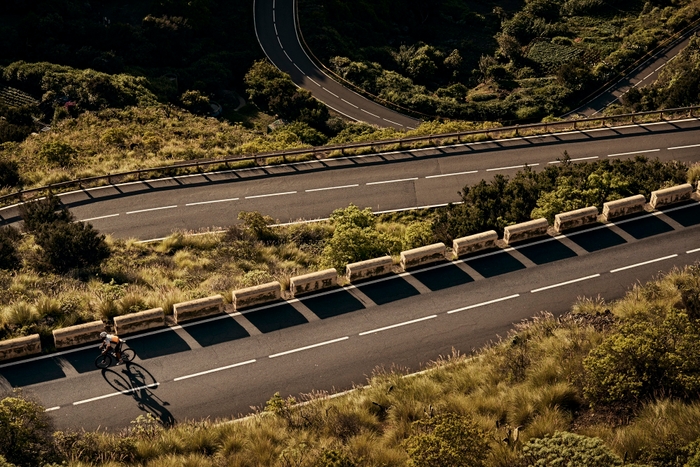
(447, 440)
(25, 432)
(9, 174)
(37, 214)
(57, 153)
(564, 449)
(9, 257)
(72, 245)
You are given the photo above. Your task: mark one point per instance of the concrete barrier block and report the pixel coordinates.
(141, 321)
(481, 241)
(313, 281)
(623, 207)
(674, 194)
(576, 218)
(77, 335)
(20, 347)
(422, 255)
(369, 268)
(199, 308)
(256, 295)
(525, 230)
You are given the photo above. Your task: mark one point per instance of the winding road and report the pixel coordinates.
(332, 341)
(275, 26)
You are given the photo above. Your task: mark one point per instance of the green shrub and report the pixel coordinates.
(25, 432)
(447, 440)
(42, 212)
(58, 153)
(9, 256)
(9, 174)
(69, 246)
(564, 449)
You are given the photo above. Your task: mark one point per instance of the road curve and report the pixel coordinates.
(646, 73)
(275, 26)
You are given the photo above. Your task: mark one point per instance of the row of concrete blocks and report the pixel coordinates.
(271, 292)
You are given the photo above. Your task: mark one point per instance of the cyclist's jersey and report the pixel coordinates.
(111, 339)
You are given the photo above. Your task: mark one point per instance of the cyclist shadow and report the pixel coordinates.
(136, 381)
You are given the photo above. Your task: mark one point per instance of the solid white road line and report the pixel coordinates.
(100, 217)
(484, 303)
(392, 122)
(370, 113)
(330, 92)
(152, 209)
(634, 152)
(644, 263)
(332, 188)
(120, 393)
(373, 331)
(452, 174)
(309, 347)
(577, 159)
(684, 147)
(511, 167)
(560, 284)
(312, 80)
(290, 58)
(350, 103)
(212, 202)
(180, 378)
(392, 181)
(271, 194)
(693, 251)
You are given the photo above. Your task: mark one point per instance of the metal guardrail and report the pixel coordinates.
(317, 152)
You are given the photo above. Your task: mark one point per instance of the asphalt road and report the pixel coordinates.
(275, 27)
(384, 182)
(221, 367)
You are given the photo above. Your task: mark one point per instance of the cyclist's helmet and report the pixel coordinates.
(103, 335)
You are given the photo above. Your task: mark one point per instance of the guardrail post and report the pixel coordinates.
(633, 119)
(517, 130)
(575, 122)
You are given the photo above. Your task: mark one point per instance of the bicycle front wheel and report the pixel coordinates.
(127, 355)
(103, 361)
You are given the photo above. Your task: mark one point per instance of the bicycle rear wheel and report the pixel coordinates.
(103, 361)
(127, 355)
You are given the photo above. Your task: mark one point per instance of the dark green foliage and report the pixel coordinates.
(196, 102)
(334, 458)
(563, 449)
(447, 440)
(42, 212)
(71, 245)
(9, 257)
(274, 92)
(259, 226)
(9, 174)
(25, 432)
(558, 188)
(66, 244)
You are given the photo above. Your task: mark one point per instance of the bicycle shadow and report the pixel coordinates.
(136, 381)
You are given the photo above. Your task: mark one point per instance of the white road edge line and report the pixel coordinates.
(271, 194)
(51, 409)
(348, 102)
(313, 81)
(511, 167)
(643, 263)
(213, 201)
(309, 347)
(120, 393)
(575, 160)
(100, 217)
(368, 112)
(332, 188)
(560, 284)
(452, 174)
(152, 209)
(373, 331)
(693, 251)
(392, 122)
(684, 147)
(330, 92)
(477, 305)
(248, 362)
(633, 152)
(392, 181)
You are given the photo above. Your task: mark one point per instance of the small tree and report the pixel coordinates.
(72, 245)
(447, 440)
(9, 174)
(42, 212)
(9, 257)
(25, 432)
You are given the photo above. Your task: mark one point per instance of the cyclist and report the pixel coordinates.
(109, 340)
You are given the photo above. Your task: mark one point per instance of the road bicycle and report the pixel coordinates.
(108, 358)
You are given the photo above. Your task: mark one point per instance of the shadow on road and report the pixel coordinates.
(136, 381)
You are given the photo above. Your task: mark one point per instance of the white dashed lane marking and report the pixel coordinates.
(271, 194)
(560, 284)
(477, 305)
(413, 321)
(212, 202)
(152, 209)
(643, 263)
(201, 373)
(634, 152)
(332, 188)
(392, 181)
(308, 347)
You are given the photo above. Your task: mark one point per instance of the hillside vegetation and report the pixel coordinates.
(609, 384)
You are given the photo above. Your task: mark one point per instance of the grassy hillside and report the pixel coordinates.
(609, 384)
